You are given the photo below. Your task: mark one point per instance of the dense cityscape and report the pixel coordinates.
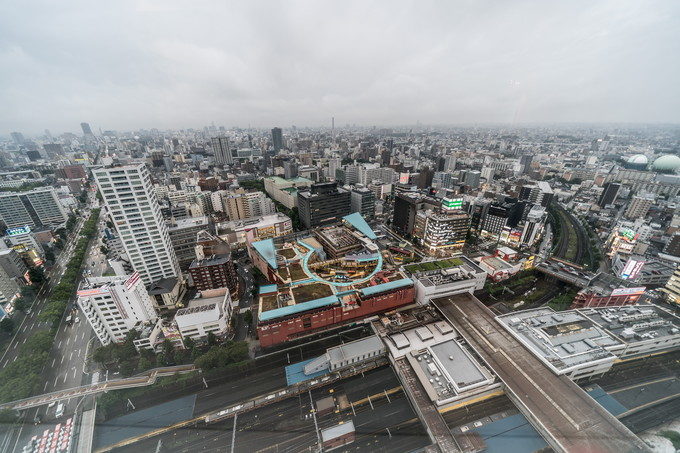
(311, 226)
(392, 289)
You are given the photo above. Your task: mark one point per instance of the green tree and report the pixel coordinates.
(211, 339)
(168, 352)
(7, 325)
(144, 364)
(104, 354)
(37, 275)
(248, 317)
(37, 343)
(49, 255)
(21, 304)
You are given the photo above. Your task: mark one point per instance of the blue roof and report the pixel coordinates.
(297, 308)
(267, 251)
(265, 289)
(295, 373)
(358, 222)
(370, 290)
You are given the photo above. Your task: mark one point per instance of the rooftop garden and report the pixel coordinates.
(287, 253)
(296, 272)
(269, 302)
(313, 291)
(433, 265)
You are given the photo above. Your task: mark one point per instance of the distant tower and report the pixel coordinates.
(18, 138)
(86, 129)
(277, 139)
(221, 150)
(333, 128)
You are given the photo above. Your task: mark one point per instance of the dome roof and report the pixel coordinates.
(667, 162)
(638, 159)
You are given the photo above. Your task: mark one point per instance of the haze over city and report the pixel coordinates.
(167, 64)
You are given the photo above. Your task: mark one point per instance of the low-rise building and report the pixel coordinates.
(240, 232)
(285, 190)
(441, 278)
(115, 305)
(205, 315)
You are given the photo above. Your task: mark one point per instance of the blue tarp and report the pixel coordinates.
(295, 372)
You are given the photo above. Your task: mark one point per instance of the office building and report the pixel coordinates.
(406, 206)
(277, 139)
(285, 190)
(673, 246)
(182, 235)
(472, 178)
(71, 172)
(323, 203)
(35, 208)
(533, 226)
(290, 169)
(441, 233)
(672, 288)
(239, 232)
(87, 130)
(239, 206)
(609, 192)
(639, 206)
(222, 151)
(133, 207)
(115, 305)
(540, 193)
(362, 200)
(12, 272)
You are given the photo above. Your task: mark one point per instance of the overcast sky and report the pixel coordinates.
(169, 64)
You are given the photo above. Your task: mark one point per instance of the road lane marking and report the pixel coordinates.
(70, 357)
(53, 361)
(55, 381)
(65, 376)
(24, 340)
(45, 388)
(59, 345)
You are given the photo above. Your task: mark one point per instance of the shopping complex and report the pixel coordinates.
(335, 276)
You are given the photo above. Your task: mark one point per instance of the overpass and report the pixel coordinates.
(569, 419)
(566, 272)
(147, 378)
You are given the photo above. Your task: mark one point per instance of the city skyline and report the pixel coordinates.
(158, 65)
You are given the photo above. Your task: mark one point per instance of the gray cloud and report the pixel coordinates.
(155, 63)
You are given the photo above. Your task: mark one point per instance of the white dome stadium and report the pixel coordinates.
(638, 159)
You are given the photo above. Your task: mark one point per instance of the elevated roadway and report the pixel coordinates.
(569, 419)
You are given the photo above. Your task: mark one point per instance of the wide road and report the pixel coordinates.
(66, 365)
(570, 419)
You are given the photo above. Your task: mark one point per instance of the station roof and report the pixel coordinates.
(267, 251)
(370, 290)
(357, 221)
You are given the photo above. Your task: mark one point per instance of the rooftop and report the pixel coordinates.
(634, 323)
(562, 340)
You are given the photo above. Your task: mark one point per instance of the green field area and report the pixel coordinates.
(434, 265)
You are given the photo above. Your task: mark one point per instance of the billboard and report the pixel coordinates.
(632, 269)
(637, 291)
(17, 231)
(452, 203)
(93, 292)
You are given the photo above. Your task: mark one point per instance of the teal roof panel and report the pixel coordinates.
(298, 308)
(369, 291)
(357, 221)
(267, 251)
